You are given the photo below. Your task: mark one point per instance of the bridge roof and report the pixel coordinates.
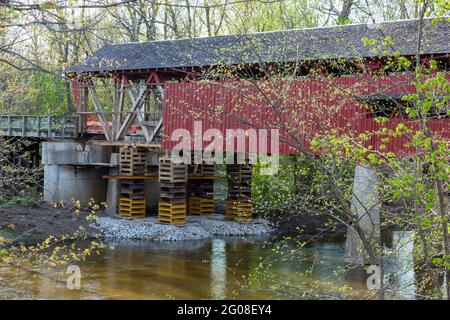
(278, 46)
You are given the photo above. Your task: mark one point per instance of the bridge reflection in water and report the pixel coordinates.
(204, 269)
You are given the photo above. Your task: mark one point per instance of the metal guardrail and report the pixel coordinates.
(38, 126)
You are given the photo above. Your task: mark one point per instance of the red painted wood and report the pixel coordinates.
(307, 108)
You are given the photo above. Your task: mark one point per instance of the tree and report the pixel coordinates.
(418, 191)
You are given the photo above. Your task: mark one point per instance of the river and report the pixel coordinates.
(203, 269)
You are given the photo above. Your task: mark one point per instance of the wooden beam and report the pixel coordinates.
(115, 108)
(100, 113)
(146, 177)
(83, 108)
(156, 130)
(122, 89)
(126, 143)
(195, 168)
(160, 122)
(156, 177)
(140, 116)
(132, 113)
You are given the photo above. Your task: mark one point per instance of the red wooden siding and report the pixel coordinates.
(300, 109)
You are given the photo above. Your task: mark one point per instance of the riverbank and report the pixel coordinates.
(303, 225)
(34, 223)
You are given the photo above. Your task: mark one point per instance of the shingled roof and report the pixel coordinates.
(288, 45)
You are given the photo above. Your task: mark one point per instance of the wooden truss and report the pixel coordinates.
(121, 120)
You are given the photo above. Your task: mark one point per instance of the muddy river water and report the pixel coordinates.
(207, 269)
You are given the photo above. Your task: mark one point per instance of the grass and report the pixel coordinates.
(14, 200)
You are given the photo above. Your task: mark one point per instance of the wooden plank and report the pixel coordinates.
(156, 177)
(171, 213)
(156, 130)
(140, 116)
(100, 113)
(126, 143)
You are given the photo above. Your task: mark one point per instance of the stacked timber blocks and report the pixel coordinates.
(201, 206)
(133, 161)
(201, 199)
(132, 202)
(239, 203)
(208, 170)
(172, 200)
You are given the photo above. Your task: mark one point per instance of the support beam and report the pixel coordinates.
(83, 107)
(113, 193)
(132, 113)
(156, 130)
(122, 89)
(101, 114)
(160, 122)
(115, 109)
(140, 115)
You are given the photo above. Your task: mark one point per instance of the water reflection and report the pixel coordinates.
(400, 278)
(204, 269)
(218, 269)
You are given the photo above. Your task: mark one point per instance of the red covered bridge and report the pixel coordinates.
(131, 99)
(300, 109)
(335, 83)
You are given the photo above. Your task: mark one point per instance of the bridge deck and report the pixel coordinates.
(38, 126)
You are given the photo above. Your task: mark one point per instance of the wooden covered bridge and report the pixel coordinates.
(131, 98)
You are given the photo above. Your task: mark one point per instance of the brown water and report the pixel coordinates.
(207, 269)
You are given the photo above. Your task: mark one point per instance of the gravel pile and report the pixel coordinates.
(218, 226)
(195, 228)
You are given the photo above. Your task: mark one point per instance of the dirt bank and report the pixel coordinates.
(304, 225)
(33, 223)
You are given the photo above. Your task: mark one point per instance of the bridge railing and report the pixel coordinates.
(38, 126)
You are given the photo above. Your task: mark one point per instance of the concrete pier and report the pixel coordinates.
(366, 206)
(113, 192)
(74, 171)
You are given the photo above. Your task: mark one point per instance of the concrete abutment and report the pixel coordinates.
(74, 170)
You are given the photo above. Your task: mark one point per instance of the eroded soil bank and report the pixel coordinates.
(303, 224)
(34, 223)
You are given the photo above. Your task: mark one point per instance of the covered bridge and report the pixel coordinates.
(132, 98)
(328, 78)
